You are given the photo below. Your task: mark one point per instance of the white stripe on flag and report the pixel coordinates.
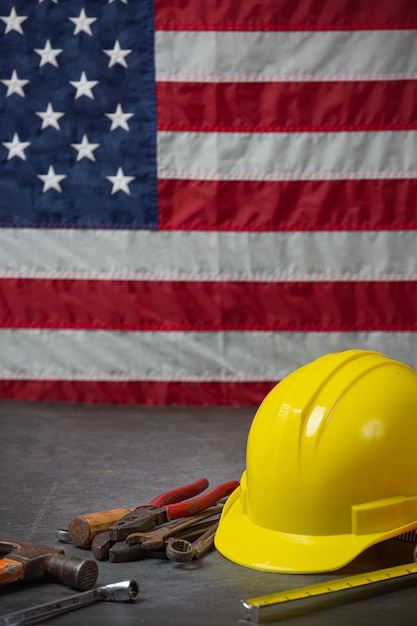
(217, 56)
(180, 356)
(179, 255)
(287, 156)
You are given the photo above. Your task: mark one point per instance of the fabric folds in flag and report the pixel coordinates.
(197, 197)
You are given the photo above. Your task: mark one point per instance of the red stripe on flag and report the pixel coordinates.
(199, 306)
(284, 15)
(138, 392)
(289, 205)
(287, 106)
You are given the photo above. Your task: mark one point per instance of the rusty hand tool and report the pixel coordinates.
(142, 545)
(24, 560)
(122, 552)
(125, 591)
(103, 541)
(183, 550)
(83, 528)
(154, 539)
(163, 508)
(147, 544)
(160, 510)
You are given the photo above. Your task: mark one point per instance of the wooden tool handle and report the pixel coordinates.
(11, 571)
(83, 528)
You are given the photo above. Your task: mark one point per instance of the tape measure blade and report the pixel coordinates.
(251, 608)
(250, 612)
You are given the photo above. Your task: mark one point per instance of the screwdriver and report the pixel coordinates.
(125, 591)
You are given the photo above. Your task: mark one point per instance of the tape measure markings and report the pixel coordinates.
(251, 608)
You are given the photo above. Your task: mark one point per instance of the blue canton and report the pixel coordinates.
(77, 114)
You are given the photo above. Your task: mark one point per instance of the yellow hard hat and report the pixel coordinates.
(331, 466)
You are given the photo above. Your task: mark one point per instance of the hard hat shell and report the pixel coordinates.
(331, 466)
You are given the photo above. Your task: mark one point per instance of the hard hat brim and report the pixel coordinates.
(242, 541)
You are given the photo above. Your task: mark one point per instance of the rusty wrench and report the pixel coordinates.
(125, 591)
(154, 539)
(183, 550)
(142, 545)
(122, 552)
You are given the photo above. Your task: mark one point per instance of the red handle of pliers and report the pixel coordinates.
(195, 505)
(179, 494)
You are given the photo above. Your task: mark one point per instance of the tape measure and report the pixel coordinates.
(251, 608)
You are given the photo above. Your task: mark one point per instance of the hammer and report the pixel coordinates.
(24, 560)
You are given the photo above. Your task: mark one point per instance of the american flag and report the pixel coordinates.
(197, 197)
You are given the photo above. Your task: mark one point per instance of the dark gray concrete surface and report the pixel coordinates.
(59, 460)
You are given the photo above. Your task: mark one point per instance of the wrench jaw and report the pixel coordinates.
(104, 548)
(121, 552)
(148, 542)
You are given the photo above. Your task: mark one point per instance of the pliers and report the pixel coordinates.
(138, 546)
(163, 508)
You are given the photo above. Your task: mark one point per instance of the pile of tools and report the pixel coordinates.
(179, 525)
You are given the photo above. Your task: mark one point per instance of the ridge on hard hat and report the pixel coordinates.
(331, 467)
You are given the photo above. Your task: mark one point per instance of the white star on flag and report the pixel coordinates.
(15, 85)
(119, 119)
(120, 182)
(84, 86)
(55, 1)
(50, 117)
(13, 21)
(85, 149)
(124, 1)
(117, 55)
(48, 54)
(51, 180)
(82, 23)
(16, 147)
